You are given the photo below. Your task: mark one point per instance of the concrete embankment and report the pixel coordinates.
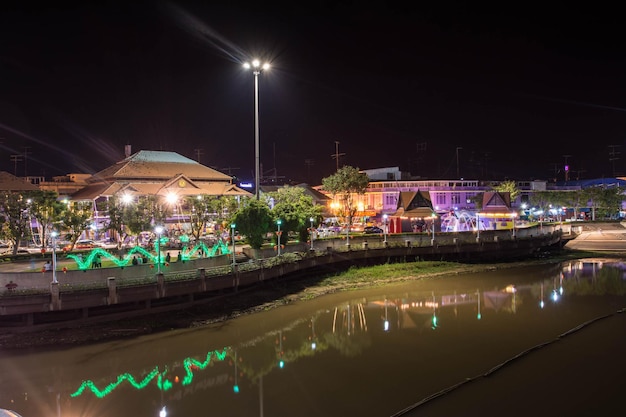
(109, 292)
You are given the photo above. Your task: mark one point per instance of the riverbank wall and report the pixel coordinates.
(113, 293)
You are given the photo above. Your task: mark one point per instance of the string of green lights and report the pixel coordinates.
(85, 262)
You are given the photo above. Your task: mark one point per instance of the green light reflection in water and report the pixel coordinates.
(162, 382)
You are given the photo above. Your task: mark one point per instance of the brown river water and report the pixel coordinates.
(383, 351)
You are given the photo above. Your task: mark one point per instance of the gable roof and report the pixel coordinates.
(158, 173)
(9, 182)
(414, 204)
(496, 202)
(149, 165)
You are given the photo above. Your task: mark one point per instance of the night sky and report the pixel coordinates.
(515, 93)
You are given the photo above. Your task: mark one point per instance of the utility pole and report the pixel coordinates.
(578, 172)
(26, 153)
(198, 153)
(613, 157)
(566, 167)
(337, 155)
(16, 159)
(555, 166)
(309, 163)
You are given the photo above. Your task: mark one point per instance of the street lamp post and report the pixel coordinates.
(158, 230)
(278, 233)
(385, 229)
(232, 232)
(513, 217)
(311, 219)
(432, 240)
(257, 68)
(54, 257)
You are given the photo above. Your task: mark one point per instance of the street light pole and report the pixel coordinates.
(433, 217)
(232, 230)
(311, 219)
(257, 68)
(54, 257)
(158, 230)
(278, 233)
(385, 229)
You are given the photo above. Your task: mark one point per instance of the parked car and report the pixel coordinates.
(82, 244)
(372, 229)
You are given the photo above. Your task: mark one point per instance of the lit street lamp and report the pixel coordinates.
(54, 235)
(278, 233)
(158, 230)
(257, 68)
(311, 219)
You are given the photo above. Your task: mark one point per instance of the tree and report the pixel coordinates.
(345, 184)
(199, 213)
(75, 219)
(294, 208)
(575, 199)
(594, 197)
(114, 207)
(613, 199)
(541, 200)
(253, 220)
(507, 187)
(46, 208)
(605, 201)
(204, 209)
(143, 215)
(14, 218)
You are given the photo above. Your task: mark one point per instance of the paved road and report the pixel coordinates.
(613, 240)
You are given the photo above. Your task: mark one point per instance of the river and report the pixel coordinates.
(372, 352)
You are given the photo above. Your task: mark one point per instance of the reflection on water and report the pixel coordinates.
(368, 353)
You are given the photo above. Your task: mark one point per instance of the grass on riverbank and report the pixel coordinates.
(374, 274)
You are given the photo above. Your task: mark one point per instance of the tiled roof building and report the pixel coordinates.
(158, 173)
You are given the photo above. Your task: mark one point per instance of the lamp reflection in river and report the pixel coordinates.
(478, 315)
(313, 337)
(236, 385)
(434, 321)
(542, 303)
(386, 321)
(555, 293)
(281, 362)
